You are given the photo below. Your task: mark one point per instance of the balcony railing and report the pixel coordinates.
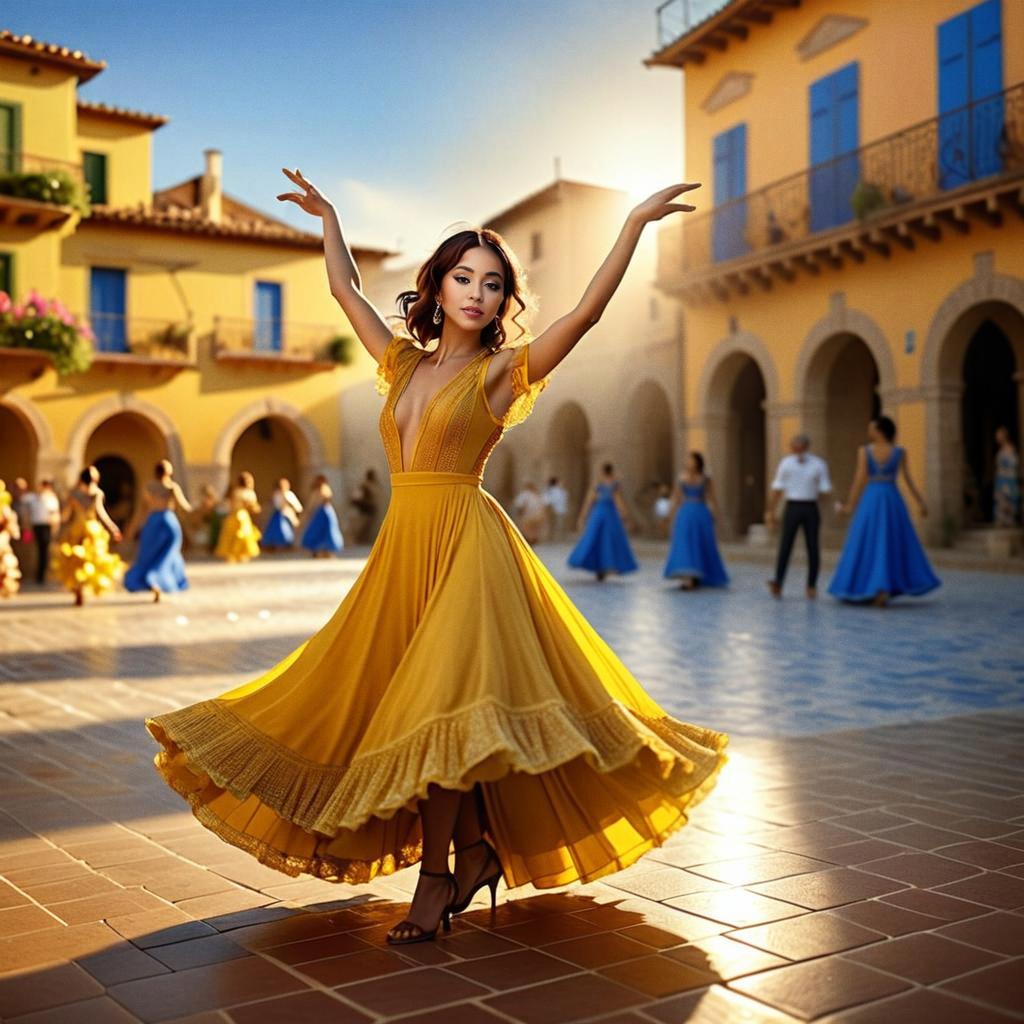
(272, 339)
(140, 336)
(677, 17)
(973, 144)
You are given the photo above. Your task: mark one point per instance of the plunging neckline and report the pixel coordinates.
(426, 409)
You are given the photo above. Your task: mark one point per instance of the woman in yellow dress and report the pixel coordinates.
(10, 530)
(239, 538)
(456, 693)
(84, 560)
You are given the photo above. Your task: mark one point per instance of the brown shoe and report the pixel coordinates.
(812, 593)
(774, 588)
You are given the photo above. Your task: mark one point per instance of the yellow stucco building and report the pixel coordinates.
(860, 246)
(213, 320)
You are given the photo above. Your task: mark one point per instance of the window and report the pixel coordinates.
(970, 67)
(536, 250)
(835, 165)
(267, 336)
(730, 215)
(7, 273)
(94, 166)
(107, 287)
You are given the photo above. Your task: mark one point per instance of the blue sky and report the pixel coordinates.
(409, 114)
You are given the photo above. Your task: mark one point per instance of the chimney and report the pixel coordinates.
(210, 196)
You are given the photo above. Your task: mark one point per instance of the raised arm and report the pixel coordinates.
(342, 273)
(556, 341)
(179, 496)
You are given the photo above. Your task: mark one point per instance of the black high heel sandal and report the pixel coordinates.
(491, 880)
(446, 914)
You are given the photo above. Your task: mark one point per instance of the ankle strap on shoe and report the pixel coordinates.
(436, 874)
(469, 846)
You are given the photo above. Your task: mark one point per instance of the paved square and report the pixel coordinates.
(862, 859)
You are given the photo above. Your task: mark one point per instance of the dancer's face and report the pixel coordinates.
(477, 280)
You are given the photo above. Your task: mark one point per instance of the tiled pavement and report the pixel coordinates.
(872, 875)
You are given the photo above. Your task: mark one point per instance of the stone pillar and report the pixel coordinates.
(943, 486)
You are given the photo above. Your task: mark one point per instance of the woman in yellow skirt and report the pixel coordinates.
(10, 530)
(239, 538)
(456, 693)
(84, 560)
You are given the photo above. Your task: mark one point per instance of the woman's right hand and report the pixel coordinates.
(310, 198)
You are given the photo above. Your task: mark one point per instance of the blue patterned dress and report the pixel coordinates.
(882, 552)
(694, 551)
(604, 546)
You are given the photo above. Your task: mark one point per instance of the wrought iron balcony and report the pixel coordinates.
(272, 341)
(941, 173)
(677, 17)
(156, 339)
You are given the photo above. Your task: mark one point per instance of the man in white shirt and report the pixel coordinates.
(801, 477)
(556, 498)
(44, 514)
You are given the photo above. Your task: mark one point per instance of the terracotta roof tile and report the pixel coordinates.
(107, 110)
(24, 46)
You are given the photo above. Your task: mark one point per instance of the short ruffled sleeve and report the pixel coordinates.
(388, 365)
(524, 394)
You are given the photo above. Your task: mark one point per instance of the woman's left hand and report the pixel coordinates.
(657, 206)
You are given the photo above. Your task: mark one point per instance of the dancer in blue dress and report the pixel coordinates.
(693, 554)
(882, 556)
(280, 531)
(158, 565)
(604, 546)
(322, 535)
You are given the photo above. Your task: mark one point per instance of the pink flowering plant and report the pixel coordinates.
(46, 325)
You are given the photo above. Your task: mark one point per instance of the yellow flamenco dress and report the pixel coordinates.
(455, 658)
(10, 571)
(239, 537)
(83, 560)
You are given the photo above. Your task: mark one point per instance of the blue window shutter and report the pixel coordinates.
(834, 110)
(986, 88)
(729, 155)
(267, 336)
(107, 308)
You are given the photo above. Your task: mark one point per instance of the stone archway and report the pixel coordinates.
(289, 430)
(988, 302)
(649, 449)
(19, 446)
(840, 392)
(739, 392)
(568, 448)
(44, 462)
(154, 418)
(125, 447)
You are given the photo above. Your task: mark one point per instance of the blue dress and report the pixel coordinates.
(158, 564)
(323, 532)
(279, 532)
(882, 552)
(694, 551)
(604, 546)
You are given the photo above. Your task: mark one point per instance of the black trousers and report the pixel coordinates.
(42, 536)
(800, 514)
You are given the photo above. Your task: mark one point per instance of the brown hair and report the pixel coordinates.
(418, 305)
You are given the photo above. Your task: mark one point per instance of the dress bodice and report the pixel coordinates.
(886, 472)
(606, 492)
(457, 431)
(83, 504)
(692, 492)
(1007, 464)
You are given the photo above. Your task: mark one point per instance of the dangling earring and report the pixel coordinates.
(437, 314)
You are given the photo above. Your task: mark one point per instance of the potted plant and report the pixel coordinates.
(57, 187)
(867, 199)
(339, 348)
(46, 325)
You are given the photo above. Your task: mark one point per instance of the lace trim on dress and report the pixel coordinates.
(388, 365)
(524, 393)
(206, 743)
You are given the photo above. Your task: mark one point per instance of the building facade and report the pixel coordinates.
(860, 246)
(214, 325)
